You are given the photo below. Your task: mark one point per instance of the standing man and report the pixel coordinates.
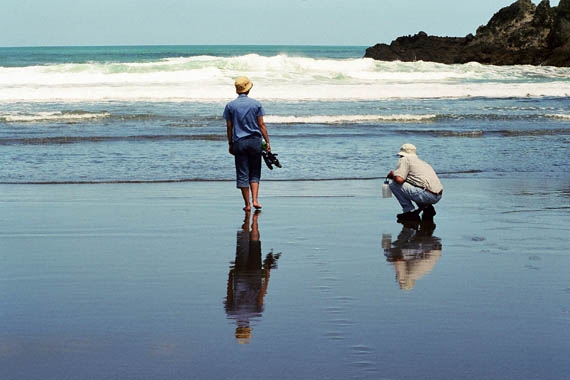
(415, 180)
(245, 130)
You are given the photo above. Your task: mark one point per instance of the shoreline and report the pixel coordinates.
(482, 196)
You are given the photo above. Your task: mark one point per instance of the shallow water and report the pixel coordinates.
(131, 281)
(187, 142)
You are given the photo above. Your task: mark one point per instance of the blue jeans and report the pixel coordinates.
(406, 193)
(247, 155)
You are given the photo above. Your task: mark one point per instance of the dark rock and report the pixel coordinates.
(521, 33)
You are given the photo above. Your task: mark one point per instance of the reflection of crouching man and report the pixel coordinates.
(414, 254)
(414, 180)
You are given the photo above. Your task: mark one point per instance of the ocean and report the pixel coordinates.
(153, 114)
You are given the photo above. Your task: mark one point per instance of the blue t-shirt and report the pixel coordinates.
(243, 112)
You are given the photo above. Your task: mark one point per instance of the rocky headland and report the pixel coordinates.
(520, 34)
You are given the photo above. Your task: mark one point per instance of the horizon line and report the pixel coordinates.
(178, 45)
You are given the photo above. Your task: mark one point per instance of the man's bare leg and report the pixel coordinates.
(245, 195)
(254, 194)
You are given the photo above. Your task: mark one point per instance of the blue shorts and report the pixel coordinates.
(247, 155)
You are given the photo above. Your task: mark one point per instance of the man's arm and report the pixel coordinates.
(263, 130)
(229, 133)
(396, 178)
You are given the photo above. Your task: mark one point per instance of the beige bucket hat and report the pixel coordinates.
(407, 150)
(243, 85)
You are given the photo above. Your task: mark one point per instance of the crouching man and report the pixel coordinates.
(414, 180)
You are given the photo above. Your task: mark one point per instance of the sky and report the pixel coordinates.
(236, 22)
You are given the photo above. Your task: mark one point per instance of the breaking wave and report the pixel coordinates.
(278, 77)
(348, 119)
(69, 117)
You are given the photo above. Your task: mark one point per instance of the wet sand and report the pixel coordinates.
(169, 281)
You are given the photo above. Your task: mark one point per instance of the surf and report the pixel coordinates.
(348, 119)
(277, 77)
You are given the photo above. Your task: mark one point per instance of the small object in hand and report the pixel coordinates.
(270, 159)
(386, 192)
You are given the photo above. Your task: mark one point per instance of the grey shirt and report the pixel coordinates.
(418, 173)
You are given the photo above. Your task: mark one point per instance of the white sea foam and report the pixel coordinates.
(52, 116)
(341, 119)
(279, 77)
(559, 116)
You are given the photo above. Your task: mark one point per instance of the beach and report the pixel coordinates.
(132, 281)
(125, 253)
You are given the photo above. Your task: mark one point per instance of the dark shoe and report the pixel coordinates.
(267, 159)
(428, 213)
(274, 160)
(413, 216)
(270, 159)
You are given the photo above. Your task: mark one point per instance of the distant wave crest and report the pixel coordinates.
(60, 140)
(559, 116)
(68, 117)
(342, 119)
(278, 77)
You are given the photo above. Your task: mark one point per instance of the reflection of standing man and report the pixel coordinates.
(248, 279)
(414, 254)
